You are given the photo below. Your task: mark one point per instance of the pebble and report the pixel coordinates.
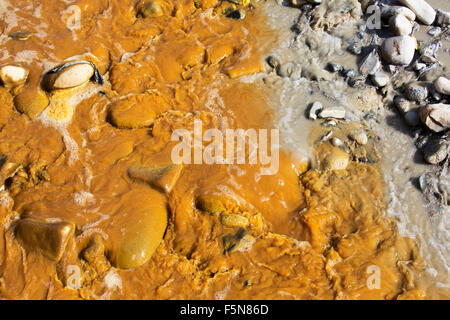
(400, 25)
(355, 48)
(416, 92)
(336, 160)
(337, 142)
(332, 112)
(349, 73)
(12, 76)
(380, 79)
(442, 85)
(234, 220)
(434, 31)
(359, 136)
(389, 11)
(442, 18)
(151, 9)
(163, 178)
(141, 232)
(31, 101)
(436, 116)
(371, 63)
(424, 12)
(402, 104)
(69, 77)
(419, 66)
(334, 67)
(48, 239)
(412, 118)
(399, 50)
(131, 113)
(436, 150)
(314, 110)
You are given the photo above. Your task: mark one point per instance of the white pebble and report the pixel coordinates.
(424, 12)
(380, 78)
(400, 25)
(332, 112)
(442, 85)
(399, 50)
(13, 75)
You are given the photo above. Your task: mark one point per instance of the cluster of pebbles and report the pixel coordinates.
(406, 72)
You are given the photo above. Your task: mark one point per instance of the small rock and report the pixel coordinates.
(442, 18)
(400, 25)
(389, 11)
(412, 118)
(359, 136)
(12, 76)
(434, 31)
(419, 66)
(337, 142)
(380, 79)
(416, 92)
(436, 150)
(151, 9)
(69, 75)
(332, 112)
(31, 101)
(234, 220)
(163, 178)
(399, 50)
(334, 67)
(355, 48)
(371, 63)
(436, 116)
(349, 73)
(431, 50)
(337, 159)
(442, 85)
(424, 12)
(49, 239)
(402, 104)
(314, 110)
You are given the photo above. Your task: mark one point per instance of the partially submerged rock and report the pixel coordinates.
(150, 9)
(399, 50)
(333, 112)
(141, 233)
(49, 239)
(131, 113)
(163, 178)
(31, 101)
(436, 116)
(71, 74)
(12, 76)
